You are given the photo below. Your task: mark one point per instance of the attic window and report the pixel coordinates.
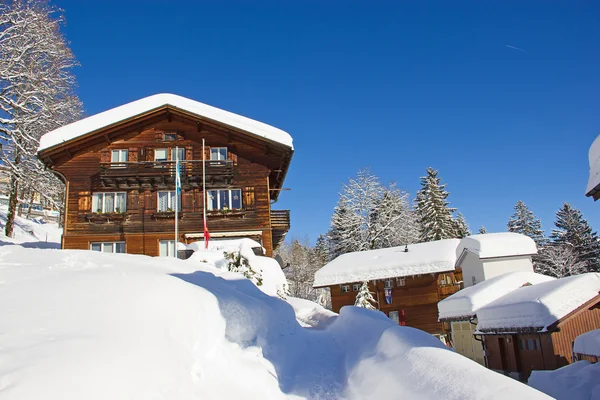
(356, 287)
(388, 283)
(345, 288)
(400, 281)
(169, 137)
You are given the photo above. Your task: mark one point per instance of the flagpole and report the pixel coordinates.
(177, 191)
(204, 195)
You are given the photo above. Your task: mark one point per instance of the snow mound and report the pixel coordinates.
(502, 244)
(135, 108)
(464, 304)
(360, 266)
(538, 306)
(578, 381)
(311, 314)
(594, 156)
(87, 325)
(588, 343)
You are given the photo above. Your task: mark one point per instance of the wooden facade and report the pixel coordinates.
(255, 166)
(517, 354)
(413, 298)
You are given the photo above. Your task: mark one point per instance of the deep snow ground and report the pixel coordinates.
(80, 324)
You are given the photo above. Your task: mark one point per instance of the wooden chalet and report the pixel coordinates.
(119, 170)
(534, 327)
(407, 282)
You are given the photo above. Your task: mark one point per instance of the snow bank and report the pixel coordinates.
(540, 305)
(464, 304)
(385, 360)
(594, 156)
(578, 381)
(503, 244)
(421, 258)
(142, 106)
(588, 343)
(87, 325)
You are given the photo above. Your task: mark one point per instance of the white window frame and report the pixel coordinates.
(218, 154)
(119, 159)
(209, 206)
(171, 199)
(400, 281)
(171, 135)
(170, 243)
(166, 150)
(103, 208)
(355, 287)
(345, 288)
(388, 283)
(104, 245)
(174, 153)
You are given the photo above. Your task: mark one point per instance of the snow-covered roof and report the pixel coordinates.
(502, 244)
(421, 258)
(142, 106)
(464, 304)
(538, 306)
(588, 343)
(594, 156)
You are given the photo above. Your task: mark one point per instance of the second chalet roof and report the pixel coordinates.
(593, 185)
(421, 258)
(142, 106)
(537, 307)
(502, 244)
(464, 304)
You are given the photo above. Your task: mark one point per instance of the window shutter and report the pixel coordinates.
(232, 157)
(189, 153)
(206, 153)
(84, 202)
(149, 154)
(133, 155)
(248, 198)
(105, 156)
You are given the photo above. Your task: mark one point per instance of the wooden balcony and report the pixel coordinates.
(280, 224)
(161, 174)
(448, 290)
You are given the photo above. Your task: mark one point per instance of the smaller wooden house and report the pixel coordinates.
(533, 327)
(587, 346)
(593, 186)
(460, 309)
(406, 281)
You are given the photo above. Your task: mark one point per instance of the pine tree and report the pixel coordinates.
(322, 250)
(342, 236)
(364, 298)
(573, 229)
(461, 227)
(524, 222)
(559, 261)
(435, 216)
(482, 230)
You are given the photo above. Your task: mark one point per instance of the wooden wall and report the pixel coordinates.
(81, 168)
(418, 299)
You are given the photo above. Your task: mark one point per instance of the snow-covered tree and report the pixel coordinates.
(461, 227)
(370, 215)
(240, 264)
(573, 229)
(322, 249)
(559, 261)
(36, 94)
(435, 215)
(364, 297)
(524, 222)
(482, 230)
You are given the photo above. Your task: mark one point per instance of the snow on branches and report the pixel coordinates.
(364, 297)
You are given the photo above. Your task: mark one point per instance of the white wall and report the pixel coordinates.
(497, 266)
(480, 270)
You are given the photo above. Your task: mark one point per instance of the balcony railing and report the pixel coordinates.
(280, 224)
(162, 173)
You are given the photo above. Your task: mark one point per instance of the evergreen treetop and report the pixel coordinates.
(435, 215)
(523, 221)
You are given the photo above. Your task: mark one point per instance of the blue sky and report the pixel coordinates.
(393, 86)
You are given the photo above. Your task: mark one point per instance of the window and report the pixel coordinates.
(522, 344)
(356, 287)
(109, 202)
(119, 156)
(218, 153)
(160, 155)
(108, 247)
(169, 137)
(530, 344)
(230, 199)
(394, 316)
(388, 283)
(166, 248)
(178, 153)
(400, 281)
(345, 288)
(473, 280)
(167, 201)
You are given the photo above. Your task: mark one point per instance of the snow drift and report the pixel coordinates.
(85, 325)
(578, 381)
